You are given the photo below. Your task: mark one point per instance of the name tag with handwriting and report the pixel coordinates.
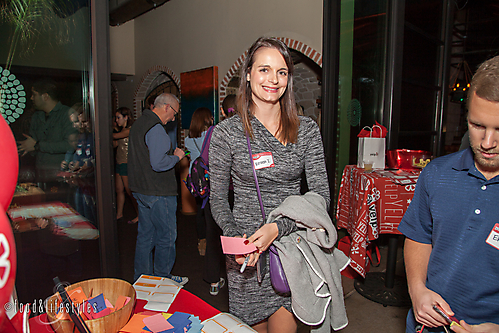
(493, 238)
(263, 160)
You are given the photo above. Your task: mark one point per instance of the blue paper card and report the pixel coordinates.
(179, 321)
(196, 325)
(98, 303)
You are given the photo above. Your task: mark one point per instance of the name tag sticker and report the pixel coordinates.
(493, 238)
(263, 160)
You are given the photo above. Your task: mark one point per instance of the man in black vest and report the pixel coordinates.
(151, 164)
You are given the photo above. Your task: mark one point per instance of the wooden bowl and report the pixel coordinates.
(111, 288)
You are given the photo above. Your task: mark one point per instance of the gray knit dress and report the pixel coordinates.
(249, 300)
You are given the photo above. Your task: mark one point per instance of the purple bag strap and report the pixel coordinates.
(256, 178)
(206, 144)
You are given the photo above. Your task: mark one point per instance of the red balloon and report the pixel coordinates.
(8, 262)
(9, 167)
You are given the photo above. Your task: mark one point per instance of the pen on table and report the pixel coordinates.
(245, 263)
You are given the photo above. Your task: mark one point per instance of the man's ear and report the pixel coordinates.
(45, 96)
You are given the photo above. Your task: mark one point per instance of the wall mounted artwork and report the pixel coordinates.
(199, 89)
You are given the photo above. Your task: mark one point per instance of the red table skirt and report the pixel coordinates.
(370, 204)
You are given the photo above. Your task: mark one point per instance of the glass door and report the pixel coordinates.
(46, 59)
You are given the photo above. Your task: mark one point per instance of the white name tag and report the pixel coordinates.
(263, 160)
(493, 238)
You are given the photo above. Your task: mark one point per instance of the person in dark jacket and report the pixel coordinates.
(49, 131)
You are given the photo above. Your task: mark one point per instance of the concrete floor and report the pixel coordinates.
(364, 315)
(367, 316)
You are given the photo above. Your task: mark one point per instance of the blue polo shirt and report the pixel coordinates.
(455, 210)
(159, 145)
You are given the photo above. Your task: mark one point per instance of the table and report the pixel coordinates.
(371, 204)
(64, 220)
(184, 302)
(28, 193)
(47, 235)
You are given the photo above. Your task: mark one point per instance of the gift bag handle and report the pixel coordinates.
(371, 130)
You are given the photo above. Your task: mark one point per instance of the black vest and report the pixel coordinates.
(142, 178)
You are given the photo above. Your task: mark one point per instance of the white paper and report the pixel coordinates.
(158, 291)
(142, 294)
(168, 289)
(157, 306)
(162, 297)
(225, 323)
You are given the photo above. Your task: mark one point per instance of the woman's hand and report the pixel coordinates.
(252, 260)
(264, 236)
(262, 239)
(240, 258)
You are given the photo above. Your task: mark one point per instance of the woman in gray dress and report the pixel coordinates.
(283, 146)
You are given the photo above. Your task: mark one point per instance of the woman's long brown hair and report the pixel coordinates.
(201, 120)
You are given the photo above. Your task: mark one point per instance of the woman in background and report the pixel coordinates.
(212, 266)
(124, 120)
(201, 120)
(229, 106)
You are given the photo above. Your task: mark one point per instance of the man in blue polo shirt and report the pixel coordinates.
(151, 167)
(452, 224)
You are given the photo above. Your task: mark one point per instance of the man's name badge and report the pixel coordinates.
(263, 160)
(493, 238)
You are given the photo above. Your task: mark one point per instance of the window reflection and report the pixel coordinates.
(53, 212)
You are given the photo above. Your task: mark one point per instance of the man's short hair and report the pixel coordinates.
(46, 87)
(485, 82)
(165, 98)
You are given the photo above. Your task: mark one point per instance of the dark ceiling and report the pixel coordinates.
(121, 11)
(476, 31)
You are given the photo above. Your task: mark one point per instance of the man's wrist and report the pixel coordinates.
(415, 288)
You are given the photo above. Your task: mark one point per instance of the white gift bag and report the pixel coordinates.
(373, 150)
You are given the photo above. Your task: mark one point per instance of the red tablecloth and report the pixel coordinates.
(184, 302)
(64, 220)
(370, 204)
